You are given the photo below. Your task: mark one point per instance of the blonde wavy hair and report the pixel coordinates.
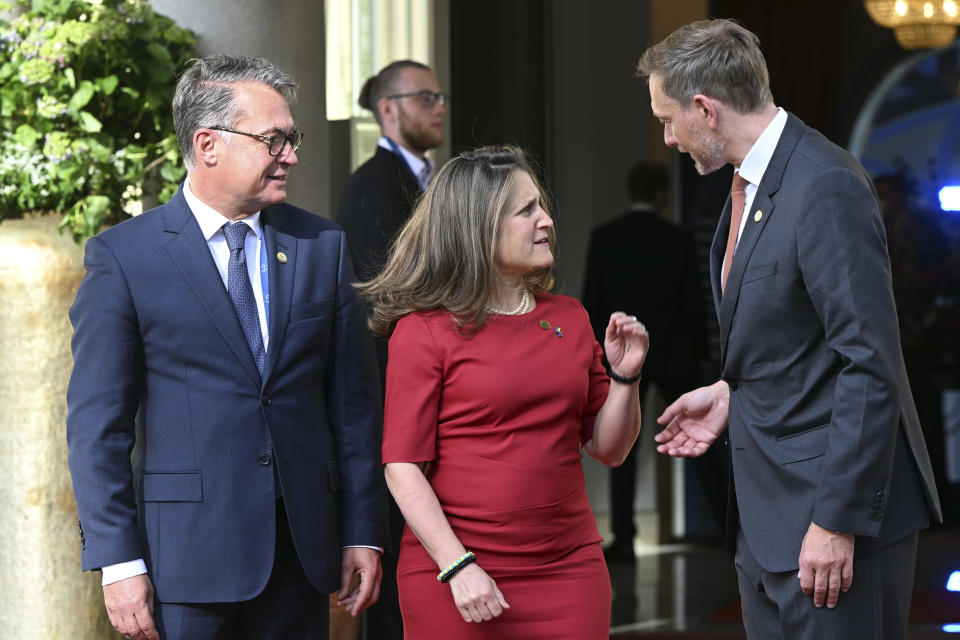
(445, 256)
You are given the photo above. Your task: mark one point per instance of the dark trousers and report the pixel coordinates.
(875, 608)
(289, 608)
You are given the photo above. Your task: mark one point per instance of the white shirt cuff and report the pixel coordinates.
(363, 546)
(123, 570)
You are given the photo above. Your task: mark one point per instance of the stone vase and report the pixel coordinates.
(44, 594)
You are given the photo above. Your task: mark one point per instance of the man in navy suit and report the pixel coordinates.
(830, 477)
(218, 339)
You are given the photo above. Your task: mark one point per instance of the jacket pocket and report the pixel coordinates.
(759, 272)
(309, 310)
(803, 446)
(172, 487)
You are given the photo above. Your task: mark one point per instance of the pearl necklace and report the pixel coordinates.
(521, 308)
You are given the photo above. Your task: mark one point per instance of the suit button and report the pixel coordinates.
(263, 459)
(266, 401)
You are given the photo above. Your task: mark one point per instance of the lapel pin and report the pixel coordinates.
(545, 325)
(758, 216)
(282, 257)
(558, 332)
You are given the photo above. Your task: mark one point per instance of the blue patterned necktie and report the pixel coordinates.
(241, 293)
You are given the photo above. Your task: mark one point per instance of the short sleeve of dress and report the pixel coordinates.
(414, 382)
(599, 387)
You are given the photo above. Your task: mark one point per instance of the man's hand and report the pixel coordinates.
(826, 564)
(694, 421)
(365, 564)
(129, 604)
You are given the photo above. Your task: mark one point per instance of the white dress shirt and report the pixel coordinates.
(755, 163)
(422, 168)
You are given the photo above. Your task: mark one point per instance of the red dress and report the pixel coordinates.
(501, 415)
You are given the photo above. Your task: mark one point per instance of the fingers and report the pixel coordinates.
(833, 589)
(846, 576)
(367, 595)
(675, 409)
(826, 565)
(147, 629)
(129, 605)
(360, 575)
(501, 599)
(476, 595)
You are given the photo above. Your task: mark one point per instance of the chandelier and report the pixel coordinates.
(917, 24)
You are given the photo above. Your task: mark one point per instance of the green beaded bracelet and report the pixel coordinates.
(456, 566)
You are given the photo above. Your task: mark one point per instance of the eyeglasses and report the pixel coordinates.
(276, 143)
(427, 99)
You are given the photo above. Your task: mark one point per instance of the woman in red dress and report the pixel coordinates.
(493, 386)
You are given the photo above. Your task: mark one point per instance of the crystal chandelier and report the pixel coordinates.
(917, 24)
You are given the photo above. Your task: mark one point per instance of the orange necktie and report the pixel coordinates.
(737, 197)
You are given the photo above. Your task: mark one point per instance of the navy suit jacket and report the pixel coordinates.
(162, 370)
(822, 427)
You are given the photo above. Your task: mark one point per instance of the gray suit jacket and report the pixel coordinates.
(822, 426)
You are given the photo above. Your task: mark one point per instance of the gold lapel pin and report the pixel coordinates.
(282, 257)
(758, 216)
(545, 325)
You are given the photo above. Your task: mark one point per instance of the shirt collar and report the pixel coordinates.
(754, 165)
(211, 220)
(642, 206)
(415, 163)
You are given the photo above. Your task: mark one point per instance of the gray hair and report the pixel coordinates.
(205, 94)
(717, 58)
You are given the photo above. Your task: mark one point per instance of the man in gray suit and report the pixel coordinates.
(830, 477)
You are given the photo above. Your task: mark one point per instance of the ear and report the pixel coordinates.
(387, 109)
(706, 108)
(204, 147)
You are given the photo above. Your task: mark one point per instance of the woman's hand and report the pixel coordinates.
(626, 343)
(476, 594)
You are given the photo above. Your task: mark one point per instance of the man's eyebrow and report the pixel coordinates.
(283, 131)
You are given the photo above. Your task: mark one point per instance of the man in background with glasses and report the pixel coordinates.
(405, 99)
(217, 337)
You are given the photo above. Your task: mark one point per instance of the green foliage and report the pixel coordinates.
(85, 120)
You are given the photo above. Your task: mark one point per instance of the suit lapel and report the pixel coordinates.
(717, 249)
(762, 207)
(280, 275)
(188, 250)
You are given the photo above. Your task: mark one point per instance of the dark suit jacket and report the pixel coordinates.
(161, 363)
(823, 426)
(376, 203)
(645, 266)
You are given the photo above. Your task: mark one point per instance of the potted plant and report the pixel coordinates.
(86, 131)
(85, 123)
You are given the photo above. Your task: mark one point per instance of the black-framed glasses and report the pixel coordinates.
(275, 143)
(427, 99)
